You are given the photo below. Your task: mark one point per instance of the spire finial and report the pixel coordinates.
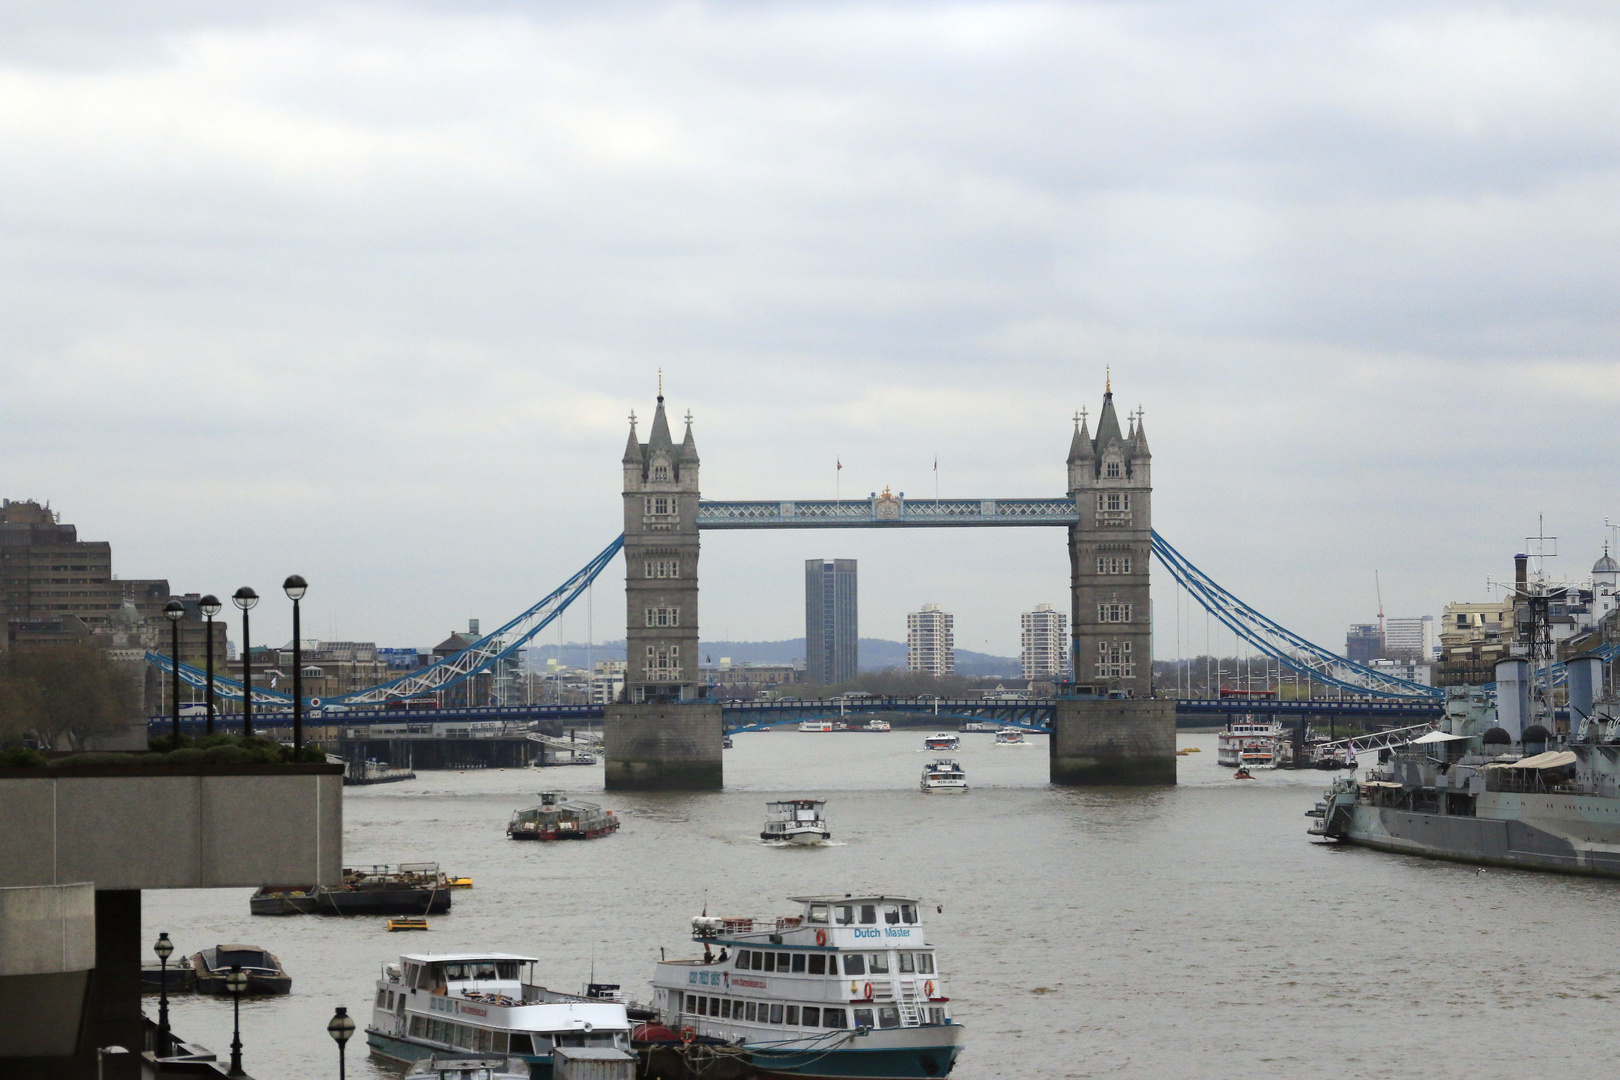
(688, 417)
(1108, 379)
(660, 384)
(632, 418)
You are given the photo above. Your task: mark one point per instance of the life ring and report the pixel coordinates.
(928, 989)
(687, 1035)
(868, 989)
(821, 937)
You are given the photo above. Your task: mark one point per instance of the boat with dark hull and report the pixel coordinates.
(408, 889)
(263, 970)
(560, 818)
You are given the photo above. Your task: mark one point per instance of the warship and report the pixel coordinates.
(1508, 777)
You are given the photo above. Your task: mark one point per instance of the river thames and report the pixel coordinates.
(1188, 932)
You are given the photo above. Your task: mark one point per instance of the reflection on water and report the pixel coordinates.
(1191, 932)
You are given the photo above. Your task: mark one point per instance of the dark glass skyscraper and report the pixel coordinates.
(830, 627)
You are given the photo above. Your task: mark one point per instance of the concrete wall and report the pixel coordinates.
(663, 748)
(47, 951)
(1113, 741)
(171, 827)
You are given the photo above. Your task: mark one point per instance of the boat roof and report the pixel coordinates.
(839, 898)
(461, 958)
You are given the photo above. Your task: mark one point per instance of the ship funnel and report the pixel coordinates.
(1521, 574)
(1512, 695)
(1585, 682)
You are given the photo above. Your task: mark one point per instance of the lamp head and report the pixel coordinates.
(295, 587)
(174, 611)
(244, 598)
(341, 1026)
(236, 981)
(209, 605)
(164, 947)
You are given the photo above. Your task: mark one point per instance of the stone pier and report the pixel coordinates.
(673, 747)
(1113, 741)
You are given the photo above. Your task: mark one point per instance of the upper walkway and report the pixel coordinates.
(880, 512)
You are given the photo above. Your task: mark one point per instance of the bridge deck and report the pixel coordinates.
(882, 513)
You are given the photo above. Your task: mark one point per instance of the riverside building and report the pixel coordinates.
(1044, 642)
(930, 641)
(830, 621)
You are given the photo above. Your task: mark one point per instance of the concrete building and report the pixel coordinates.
(747, 681)
(1414, 640)
(47, 572)
(1363, 644)
(830, 621)
(1473, 637)
(1044, 643)
(1110, 481)
(930, 641)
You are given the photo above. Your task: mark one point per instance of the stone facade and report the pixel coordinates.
(1108, 741)
(1110, 482)
(669, 747)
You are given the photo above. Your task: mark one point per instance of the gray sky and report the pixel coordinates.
(366, 291)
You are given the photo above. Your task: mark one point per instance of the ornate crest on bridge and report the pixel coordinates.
(886, 507)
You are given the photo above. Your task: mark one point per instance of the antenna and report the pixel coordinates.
(1378, 587)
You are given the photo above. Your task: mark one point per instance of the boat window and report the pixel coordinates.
(691, 1003)
(776, 1014)
(507, 969)
(844, 914)
(878, 963)
(888, 1016)
(798, 961)
(818, 964)
(818, 913)
(381, 997)
(714, 1007)
(833, 1018)
(522, 1043)
(868, 914)
(792, 1016)
(908, 963)
(418, 1023)
(925, 963)
(812, 1016)
(855, 964)
(908, 913)
(891, 914)
(770, 961)
(863, 1018)
(748, 1011)
(725, 1008)
(500, 1042)
(784, 961)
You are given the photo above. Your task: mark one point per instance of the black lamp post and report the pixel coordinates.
(236, 982)
(295, 587)
(164, 949)
(245, 598)
(340, 1027)
(209, 606)
(174, 611)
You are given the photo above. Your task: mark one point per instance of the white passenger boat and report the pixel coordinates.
(798, 821)
(875, 725)
(984, 726)
(943, 776)
(1249, 742)
(849, 987)
(942, 740)
(816, 725)
(483, 1004)
(1010, 737)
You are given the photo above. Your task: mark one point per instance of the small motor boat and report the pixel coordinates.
(797, 821)
(264, 971)
(1243, 774)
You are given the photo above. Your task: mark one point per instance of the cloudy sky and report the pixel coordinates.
(367, 291)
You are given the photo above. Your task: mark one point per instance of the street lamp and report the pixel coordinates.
(174, 611)
(340, 1027)
(295, 587)
(245, 598)
(209, 606)
(236, 982)
(164, 949)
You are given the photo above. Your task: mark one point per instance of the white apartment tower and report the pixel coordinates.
(930, 643)
(1045, 642)
(1413, 639)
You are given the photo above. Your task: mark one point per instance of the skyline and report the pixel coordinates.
(367, 294)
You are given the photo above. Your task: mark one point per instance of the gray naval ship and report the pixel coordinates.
(1504, 779)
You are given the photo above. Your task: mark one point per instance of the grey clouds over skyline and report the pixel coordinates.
(366, 291)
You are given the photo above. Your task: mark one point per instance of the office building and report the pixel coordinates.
(48, 573)
(1412, 640)
(1044, 643)
(930, 641)
(1364, 644)
(830, 626)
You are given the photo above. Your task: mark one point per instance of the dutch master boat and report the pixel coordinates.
(1250, 743)
(942, 740)
(480, 1004)
(943, 776)
(1010, 737)
(561, 818)
(847, 988)
(797, 821)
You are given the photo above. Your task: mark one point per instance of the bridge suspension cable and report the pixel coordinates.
(1280, 643)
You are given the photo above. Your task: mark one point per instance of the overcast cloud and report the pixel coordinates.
(366, 292)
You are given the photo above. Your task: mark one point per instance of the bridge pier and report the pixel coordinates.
(672, 747)
(1113, 741)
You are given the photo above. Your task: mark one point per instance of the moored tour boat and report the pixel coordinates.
(1250, 742)
(561, 818)
(943, 776)
(816, 725)
(797, 821)
(264, 971)
(942, 740)
(875, 725)
(480, 1004)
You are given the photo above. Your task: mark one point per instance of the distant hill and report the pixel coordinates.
(876, 654)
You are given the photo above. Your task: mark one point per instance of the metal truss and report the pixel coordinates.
(229, 689)
(1280, 643)
(880, 513)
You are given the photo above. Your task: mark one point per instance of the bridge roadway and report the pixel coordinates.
(1029, 713)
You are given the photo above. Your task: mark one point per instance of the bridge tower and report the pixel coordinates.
(1112, 731)
(662, 735)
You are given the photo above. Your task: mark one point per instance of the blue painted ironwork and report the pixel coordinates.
(881, 513)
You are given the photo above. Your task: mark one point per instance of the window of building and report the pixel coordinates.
(1111, 469)
(660, 473)
(663, 616)
(1113, 612)
(1113, 564)
(663, 663)
(660, 505)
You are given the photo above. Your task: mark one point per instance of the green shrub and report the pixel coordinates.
(21, 758)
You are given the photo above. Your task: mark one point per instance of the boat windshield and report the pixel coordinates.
(481, 969)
